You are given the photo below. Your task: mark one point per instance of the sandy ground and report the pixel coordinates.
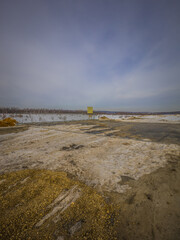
(96, 159)
(132, 165)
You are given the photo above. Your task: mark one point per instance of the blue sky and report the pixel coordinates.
(112, 55)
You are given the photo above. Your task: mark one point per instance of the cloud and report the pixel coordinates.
(120, 55)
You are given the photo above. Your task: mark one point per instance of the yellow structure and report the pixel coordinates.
(90, 110)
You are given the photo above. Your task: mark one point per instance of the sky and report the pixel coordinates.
(121, 55)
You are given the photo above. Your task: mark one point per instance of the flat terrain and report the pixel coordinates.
(90, 180)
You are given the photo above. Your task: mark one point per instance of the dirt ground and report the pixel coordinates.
(90, 180)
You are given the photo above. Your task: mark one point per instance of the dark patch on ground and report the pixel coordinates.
(96, 132)
(71, 147)
(14, 129)
(109, 134)
(149, 196)
(158, 132)
(130, 199)
(125, 179)
(73, 162)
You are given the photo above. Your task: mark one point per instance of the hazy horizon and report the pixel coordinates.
(112, 55)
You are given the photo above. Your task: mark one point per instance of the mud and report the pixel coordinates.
(133, 168)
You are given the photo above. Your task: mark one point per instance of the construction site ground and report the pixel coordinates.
(90, 180)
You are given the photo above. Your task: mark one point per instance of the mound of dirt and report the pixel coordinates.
(103, 118)
(8, 122)
(133, 118)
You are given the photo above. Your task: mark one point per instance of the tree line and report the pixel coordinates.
(12, 110)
